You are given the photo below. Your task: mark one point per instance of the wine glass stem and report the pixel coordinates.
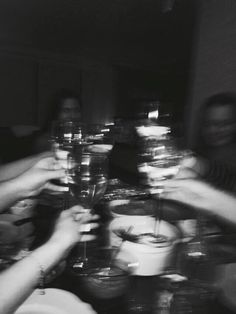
(158, 216)
(85, 251)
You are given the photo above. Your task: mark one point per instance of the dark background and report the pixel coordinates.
(114, 53)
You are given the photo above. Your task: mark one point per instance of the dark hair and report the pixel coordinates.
(56, 102)
(220, 99)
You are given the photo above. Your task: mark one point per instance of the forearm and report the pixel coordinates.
(9, 194)
(19, 281)
(202, 196)
(14, 169)
(223, 206)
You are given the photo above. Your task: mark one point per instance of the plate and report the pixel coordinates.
(54, 301)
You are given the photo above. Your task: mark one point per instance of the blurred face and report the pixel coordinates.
(70, 110)
(219, 125)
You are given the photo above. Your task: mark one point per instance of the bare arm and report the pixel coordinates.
(19, 281)
(202, 196)
(15, 168)
(31, 182)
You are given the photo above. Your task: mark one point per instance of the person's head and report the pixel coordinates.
(69, 109)
(66, 106)
(219, 120)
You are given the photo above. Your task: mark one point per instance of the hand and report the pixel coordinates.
(73, 225)
(38, 177)
(47, 163)
(192, 167)
(193, 192)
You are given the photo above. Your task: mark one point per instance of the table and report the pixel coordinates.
(143, 293)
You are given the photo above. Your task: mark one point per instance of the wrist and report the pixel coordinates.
(64, 243)
(51, 253)
(14, 190)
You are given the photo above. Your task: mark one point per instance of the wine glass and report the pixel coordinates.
(67, 137)
(87, 177)
(160, 159)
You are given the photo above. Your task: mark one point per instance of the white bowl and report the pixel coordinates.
(151, 260)
(136, 224)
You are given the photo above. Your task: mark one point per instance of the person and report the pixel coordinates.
(216, 142)
(28, 178)
(217, 134)
(66, 106)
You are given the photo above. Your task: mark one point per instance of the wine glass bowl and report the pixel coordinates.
(87, 177)
(159, 159)
(68, 132)
(67, 137)
(155, 172)
(87, 190)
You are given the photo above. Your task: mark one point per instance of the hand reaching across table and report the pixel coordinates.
(32, 181)
(19, 281)
(202, 196)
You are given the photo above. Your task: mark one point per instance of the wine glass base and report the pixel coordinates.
(80, 266)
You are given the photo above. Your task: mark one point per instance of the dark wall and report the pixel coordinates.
(28, 83)
(214, 66)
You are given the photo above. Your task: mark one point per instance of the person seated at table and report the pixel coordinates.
(217, 136)
(66, 106)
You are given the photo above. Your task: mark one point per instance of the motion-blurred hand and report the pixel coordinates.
(74, 225)
(193, 192)
(38, 177)
(192, 167)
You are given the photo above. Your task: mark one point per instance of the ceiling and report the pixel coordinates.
(115, 30)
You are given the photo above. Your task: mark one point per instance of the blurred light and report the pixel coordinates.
(105, 130)
(86, 160)
(153, 114)
(153, 131)
(67, 135)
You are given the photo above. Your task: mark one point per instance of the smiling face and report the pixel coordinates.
(219, 125)
(70, 109)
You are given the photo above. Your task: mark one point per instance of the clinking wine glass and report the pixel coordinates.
(67, 138)
(159, 160)
(87, 177)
